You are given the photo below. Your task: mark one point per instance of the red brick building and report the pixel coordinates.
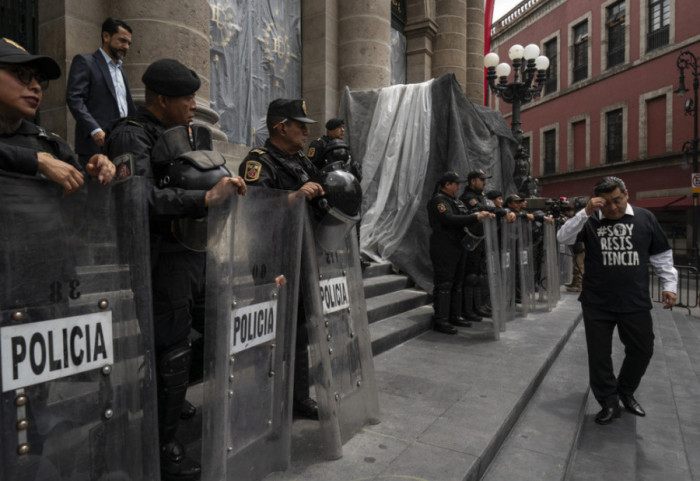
(608, 107)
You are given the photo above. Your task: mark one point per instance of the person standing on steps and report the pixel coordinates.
(621, 242)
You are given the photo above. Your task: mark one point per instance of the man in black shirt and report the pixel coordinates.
(448, 217)
(621, 242)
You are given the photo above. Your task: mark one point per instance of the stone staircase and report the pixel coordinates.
(396, 310)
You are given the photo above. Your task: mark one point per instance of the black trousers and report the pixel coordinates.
(637, 335)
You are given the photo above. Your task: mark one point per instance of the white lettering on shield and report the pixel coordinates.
(44, 351)
(253, 325)
(334, 294)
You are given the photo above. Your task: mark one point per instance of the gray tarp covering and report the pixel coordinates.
(255, 58)
(406, 136)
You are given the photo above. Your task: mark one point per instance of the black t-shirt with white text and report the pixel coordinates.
(617, 260)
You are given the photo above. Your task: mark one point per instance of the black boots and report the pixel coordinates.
(175, 466)
(441, 304)
(303, 405)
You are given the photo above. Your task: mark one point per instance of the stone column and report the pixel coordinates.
(319, 41)
(420, 33)
(450, 54)
(167, 29)
(364, 44)
(475, 51)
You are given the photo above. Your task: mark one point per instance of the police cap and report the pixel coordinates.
(333, 124)
(477, 174)
(13, 53)
(450, 176)
(493, 194)
(294, 109)
(169, 77)
(514, 198)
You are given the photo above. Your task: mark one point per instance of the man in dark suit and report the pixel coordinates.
(98, 91)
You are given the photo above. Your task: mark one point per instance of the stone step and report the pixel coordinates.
(662, 445)
(377, 269)
(387, 305)
(376, 286)
(541, 442)
(390, 332)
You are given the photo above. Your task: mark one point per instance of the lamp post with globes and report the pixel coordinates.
(686, 60)
(525, 86)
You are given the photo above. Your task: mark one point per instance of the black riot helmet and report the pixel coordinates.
(336, 151)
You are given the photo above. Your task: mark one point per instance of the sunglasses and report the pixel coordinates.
(26, 76)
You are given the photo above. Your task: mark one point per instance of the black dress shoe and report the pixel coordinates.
(188, 410)
(305, 408)
(607, 414)
(632, 405)
(444, 327)
(483, 311)
(460, 321)
(175, 466)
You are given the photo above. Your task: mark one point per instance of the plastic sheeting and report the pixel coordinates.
(255, 58)
(398, 57)
(406, 136)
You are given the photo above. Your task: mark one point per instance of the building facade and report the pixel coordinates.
(360, 45)
(608, 106)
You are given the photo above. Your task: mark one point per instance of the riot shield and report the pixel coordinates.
(550, 280)
(509, 269)
(76, 336)
(493, 269)
(251, 309)
(525, 264)
(341, 357)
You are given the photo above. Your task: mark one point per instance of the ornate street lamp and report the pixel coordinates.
(524, 87)
(686, 60)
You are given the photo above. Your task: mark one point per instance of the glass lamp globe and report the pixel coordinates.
(531, 52)
(491, 60)
(503, 70)
(516, 52)
(542, 63)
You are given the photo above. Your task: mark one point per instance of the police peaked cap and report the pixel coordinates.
(294, 109)
(169, 77)
(477, 174)
(514, 198)
(333, 124)
(450, 176)
(13, 53)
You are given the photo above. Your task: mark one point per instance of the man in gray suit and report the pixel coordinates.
(98, 91)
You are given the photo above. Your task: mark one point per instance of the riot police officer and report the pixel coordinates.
(281, 164)
(178, 273)
(448, 216)
(26, 148)
(335, 129)
(475, 280)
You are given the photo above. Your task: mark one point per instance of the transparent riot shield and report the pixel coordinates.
(76, 345)
(566, 263)
(341, 357)
(525, 264)
(253, 263)
(550, 268)
(493, 270)
(509, 234)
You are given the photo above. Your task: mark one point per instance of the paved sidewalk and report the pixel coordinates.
(447, 402)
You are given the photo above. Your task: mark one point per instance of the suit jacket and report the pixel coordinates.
(92, 99)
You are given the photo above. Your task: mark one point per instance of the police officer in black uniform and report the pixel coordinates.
(281, 164)
(475, 280)
(26, 148)
(335, 129)
(178, 275)
(448, 216)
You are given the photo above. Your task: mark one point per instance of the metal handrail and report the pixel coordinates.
(688, 283)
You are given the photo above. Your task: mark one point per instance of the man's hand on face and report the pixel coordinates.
(64, 174)
(594, 204)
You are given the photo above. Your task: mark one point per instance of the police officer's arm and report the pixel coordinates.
(164, 204)
(224, 189)
(101, 168)
(311, 190)
(24, 160)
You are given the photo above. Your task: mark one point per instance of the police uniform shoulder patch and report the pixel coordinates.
(252, 170)
(472, 202)
(441, 207)
(258, 151)
(312, 152)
